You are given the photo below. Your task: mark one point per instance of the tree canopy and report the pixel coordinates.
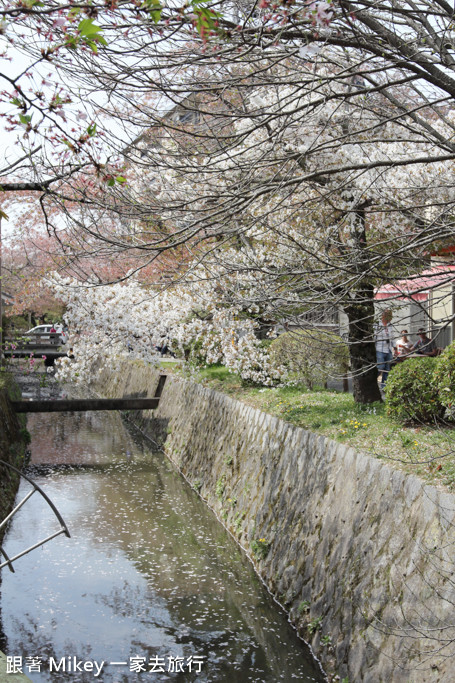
(303, 150)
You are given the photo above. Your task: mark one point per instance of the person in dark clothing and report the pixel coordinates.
(425, 346)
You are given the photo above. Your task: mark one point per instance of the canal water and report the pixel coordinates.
(149, 587)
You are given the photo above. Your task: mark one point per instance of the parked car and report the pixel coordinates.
(44, 332)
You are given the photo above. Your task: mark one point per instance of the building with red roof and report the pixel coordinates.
(424, 300)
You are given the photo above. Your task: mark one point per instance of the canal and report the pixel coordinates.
(149, 587)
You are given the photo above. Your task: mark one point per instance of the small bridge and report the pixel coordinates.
(36, 345)
(77, 404)
(83, 404)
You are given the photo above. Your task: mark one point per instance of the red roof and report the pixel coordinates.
(417, 287)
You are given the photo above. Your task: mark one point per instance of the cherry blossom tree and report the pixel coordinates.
(316, 139)
(309, 199)
(24, 264)
(110, 321)
(310, 144)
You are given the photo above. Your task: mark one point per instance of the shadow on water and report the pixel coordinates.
(149, 572)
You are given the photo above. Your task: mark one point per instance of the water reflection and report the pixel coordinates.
(148, 572)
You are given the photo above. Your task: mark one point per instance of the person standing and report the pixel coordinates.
(383, 341)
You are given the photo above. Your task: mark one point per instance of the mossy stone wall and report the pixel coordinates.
(12, 445)
(360, 554)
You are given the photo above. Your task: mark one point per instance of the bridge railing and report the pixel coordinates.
(33, 340)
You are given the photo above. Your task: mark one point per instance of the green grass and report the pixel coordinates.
(426, 451)
(169, 364)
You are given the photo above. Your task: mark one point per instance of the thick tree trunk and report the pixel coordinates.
(362, 351)
(360, 311)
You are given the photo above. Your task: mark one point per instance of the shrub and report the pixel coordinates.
(444, 378)
(411, 394)
(310, 356)
(194, 352)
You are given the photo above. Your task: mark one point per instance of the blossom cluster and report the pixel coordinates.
(110, 321)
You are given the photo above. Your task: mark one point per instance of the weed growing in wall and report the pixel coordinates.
(220, 486)
(260, 548)
(314, 625)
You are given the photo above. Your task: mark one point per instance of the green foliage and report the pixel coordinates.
(25, 435)
(260, 548)
(206, 18)
(154, 8)
(352, 426)
(90, 34)
(311, 356)
(25, 118)
(7, 382)
(304, 606)
(238, 519)
(444, 377)
(411, 394)
(194, 354)
(314, 625)
(12, 446)
(220, 486)
(218, 373)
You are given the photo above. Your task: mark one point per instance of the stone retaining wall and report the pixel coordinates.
(12, 447)
(361, 555)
